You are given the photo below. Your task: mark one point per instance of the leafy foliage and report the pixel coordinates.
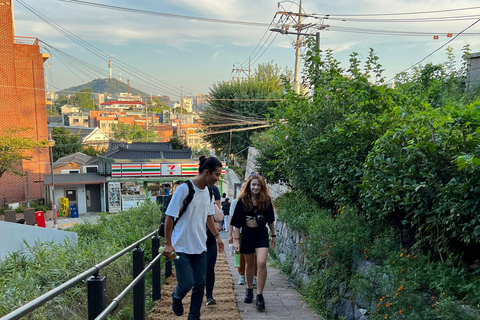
(230, 109)
(14, 148)
(66, 143)
(46, 265)
(83, 99)
(123, 131)
(178, 143)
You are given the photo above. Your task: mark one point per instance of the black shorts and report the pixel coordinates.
(253, 238)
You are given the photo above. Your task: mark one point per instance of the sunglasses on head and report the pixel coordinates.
(256, 174)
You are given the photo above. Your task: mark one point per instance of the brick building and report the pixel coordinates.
(23, 104)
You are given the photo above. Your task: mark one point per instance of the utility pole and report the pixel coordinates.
(181, 111)
(297, 45)
(240, 70)
(296, 20)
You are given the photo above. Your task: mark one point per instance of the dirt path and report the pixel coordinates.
(225, 309)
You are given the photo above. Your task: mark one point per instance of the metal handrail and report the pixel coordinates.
(115, 302)
(34, 304)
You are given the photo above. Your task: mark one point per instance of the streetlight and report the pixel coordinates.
(51, 144)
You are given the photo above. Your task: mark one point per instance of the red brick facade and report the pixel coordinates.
(22, 105)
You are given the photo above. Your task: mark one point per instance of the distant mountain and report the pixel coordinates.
(111, 86)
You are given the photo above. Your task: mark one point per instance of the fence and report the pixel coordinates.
(96, 284)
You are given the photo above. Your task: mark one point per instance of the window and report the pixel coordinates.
(75, 120)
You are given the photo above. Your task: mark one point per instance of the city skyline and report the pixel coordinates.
(163, 55)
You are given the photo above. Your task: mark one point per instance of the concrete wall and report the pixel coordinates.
(13, 235)
(275, 189)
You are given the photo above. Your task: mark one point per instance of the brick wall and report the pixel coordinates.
(22, 105)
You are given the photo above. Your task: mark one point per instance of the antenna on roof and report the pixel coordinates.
(110, 64)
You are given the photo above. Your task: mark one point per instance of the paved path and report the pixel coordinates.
(67, 222)
(281, 300)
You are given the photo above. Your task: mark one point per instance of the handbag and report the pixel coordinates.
(260, 218)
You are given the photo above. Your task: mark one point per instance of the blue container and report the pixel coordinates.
(74, 210)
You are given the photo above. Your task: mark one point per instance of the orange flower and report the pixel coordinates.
(386, 316)
(393, 262)
(388, 304)
(401, 288)
(378, 305)
(401, 254)
(408, 256)
(396, 294)
(400, 311)
(381, 299)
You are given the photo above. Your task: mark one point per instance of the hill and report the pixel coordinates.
(111, 86)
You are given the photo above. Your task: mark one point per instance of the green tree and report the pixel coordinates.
(178, 143)
(66, 143)
(92, 151)
(84, 99)
(136, 133)
(237, 109)
(14, 149)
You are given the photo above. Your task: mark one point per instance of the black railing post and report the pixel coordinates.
(156, 272)
(168, 268)
(139, 289)
(97, 296)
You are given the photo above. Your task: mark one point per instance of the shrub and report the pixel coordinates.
(46, 265)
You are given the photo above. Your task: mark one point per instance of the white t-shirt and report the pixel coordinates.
(232, 207)
(189, 235)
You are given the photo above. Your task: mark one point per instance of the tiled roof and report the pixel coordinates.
(153, 146)
(78, 158)
(82, 132)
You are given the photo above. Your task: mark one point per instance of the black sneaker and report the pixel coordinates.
(260, 302)
(211, 301)
(248, 296)
(177, 306)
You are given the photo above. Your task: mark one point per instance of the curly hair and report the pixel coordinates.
(264, 198)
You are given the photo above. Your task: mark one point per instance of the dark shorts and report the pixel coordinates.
(253, 238)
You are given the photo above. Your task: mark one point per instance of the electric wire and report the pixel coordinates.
(400, 13)
(268, 29)
(132, 71)
(162, 14)
(436, 50)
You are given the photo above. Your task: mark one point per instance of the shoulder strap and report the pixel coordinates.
(186, 201)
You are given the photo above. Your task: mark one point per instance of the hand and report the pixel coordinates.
(274, 242)
(167, 251)
(221, 246)
(236, 245)
(230, 239)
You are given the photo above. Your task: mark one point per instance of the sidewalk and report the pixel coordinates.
(67, 222)
(281, 300)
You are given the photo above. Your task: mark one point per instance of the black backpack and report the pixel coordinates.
(186, 202)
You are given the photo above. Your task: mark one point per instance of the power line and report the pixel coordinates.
(437, 49)
(168, 15)
(401, 13)
(98, 52)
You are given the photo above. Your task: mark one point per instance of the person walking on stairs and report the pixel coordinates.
(253, 213)
(188, 238)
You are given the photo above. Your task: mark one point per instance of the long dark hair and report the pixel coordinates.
(264, 198)
(210, 163)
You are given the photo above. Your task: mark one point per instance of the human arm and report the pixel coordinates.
(168, 249)
(211, 226)
(236, 241)
(218, 216)
(273, 235)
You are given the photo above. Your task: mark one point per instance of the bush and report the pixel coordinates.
(46, 265)
(401, 283)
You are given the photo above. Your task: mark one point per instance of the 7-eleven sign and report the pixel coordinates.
(171, 169)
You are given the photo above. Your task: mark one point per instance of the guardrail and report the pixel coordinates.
(96, 284)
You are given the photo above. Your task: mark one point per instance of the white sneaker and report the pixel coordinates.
(241, 279)
(254, 280)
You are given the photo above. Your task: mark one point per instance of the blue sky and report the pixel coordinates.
(193, 54)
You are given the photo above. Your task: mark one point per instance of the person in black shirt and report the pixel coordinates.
(226, 212)
(253, 213)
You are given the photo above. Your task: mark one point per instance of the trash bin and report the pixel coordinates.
(74, 210)
(40, 218)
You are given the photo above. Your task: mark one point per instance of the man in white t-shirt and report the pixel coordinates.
(188, 238)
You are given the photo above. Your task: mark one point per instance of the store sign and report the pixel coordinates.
(171, 169)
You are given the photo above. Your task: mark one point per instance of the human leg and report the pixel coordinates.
(199, 265)
(225, 222)
(185, 282)
(210, 272)
(262, 254)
